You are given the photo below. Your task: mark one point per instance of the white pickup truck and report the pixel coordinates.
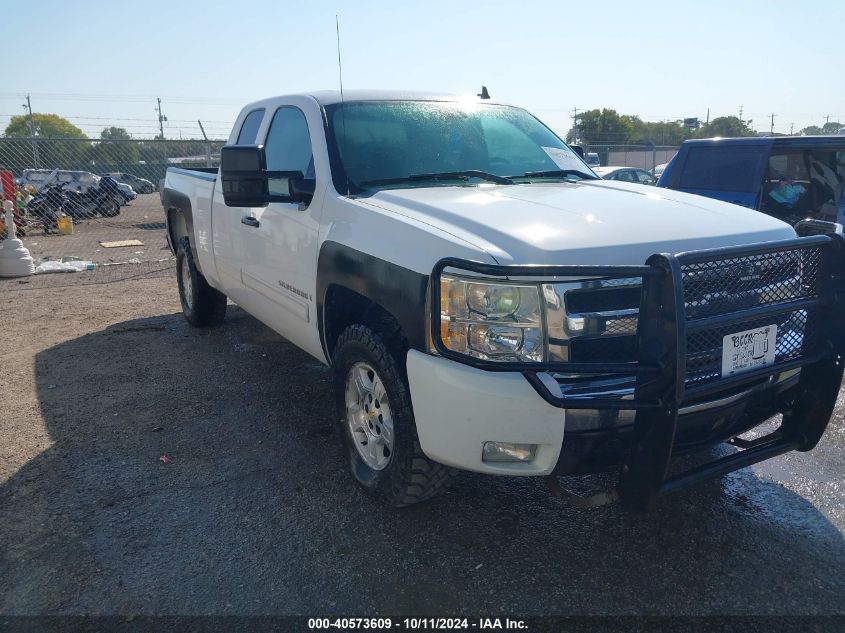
(487, 303)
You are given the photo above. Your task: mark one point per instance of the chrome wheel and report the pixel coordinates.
(187, 285)
(368, 416)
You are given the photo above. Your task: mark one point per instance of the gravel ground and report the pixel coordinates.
(256, 513)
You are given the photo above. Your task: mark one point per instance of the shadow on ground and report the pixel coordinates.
(256, 513)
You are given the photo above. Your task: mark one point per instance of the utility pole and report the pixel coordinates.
(708, 117)
(772, 130)
(740, 113)
(28, 107)
(575, 124)
(826, 119)
(161, 118)
(207, 145)
(791, 125)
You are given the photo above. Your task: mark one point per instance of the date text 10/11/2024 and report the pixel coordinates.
(415, 624)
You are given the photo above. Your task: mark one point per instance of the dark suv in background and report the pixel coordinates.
(141, 185)
(790, 177)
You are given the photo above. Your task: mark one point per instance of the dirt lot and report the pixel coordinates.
(142, 220)
(256, 514)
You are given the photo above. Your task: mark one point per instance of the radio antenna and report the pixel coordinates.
(342, 108)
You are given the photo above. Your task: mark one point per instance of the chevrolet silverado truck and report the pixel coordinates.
(487, 303)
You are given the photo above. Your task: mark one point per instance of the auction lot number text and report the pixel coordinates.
(415, 624)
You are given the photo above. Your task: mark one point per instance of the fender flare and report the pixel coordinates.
(400, 292)
(178, 202)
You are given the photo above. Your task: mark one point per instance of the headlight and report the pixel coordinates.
(491, 320)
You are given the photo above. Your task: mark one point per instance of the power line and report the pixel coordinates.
(75, 117)
(125, 98)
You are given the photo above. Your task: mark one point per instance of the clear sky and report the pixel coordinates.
(103, 63)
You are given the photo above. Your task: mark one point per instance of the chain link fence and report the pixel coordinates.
(96, 201)
(646, 157)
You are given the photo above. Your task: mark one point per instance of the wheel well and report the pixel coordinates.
(344, 307)
(176, 226)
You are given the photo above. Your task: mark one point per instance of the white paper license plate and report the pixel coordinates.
(747, 350)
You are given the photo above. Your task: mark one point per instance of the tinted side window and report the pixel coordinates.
(249, 129)
(728, 168)
(288, 147)
(644, 177)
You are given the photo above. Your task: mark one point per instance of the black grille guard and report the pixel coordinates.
(669, 318)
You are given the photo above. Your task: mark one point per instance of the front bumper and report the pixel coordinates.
(454, 423)
(457, 408)
(690, 305)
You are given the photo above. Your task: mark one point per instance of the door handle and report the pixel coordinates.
(250, 221)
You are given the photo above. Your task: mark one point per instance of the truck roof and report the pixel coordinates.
(329, 97)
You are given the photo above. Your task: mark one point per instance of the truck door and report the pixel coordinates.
(231, 238)
(279, 267)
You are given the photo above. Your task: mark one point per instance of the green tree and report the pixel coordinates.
(601, 127)
(656, 133)
(115, 134)
(71, 152)
(725, 126)
(831, 127)
(115, 148)
(45, 126)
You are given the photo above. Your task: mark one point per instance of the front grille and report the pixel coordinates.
(597, 320)
(603, 299)
(604, 349)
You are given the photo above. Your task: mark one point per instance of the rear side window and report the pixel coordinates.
(249, 128)
(725, 168)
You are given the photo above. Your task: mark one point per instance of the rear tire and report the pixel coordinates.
(368, 365)
(202, 305)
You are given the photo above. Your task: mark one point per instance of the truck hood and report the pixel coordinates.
(588, 222)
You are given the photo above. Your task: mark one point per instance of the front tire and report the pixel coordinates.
(377, 418)
(202, 305)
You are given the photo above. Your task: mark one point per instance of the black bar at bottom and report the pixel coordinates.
(729, 464)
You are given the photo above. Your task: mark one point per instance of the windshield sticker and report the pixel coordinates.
(564, 158)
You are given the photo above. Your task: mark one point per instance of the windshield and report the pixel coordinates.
(384, 144)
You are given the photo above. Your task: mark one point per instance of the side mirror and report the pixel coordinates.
(246, 181)
(242, 170)
(817, 227)
(301, 189)
(578, 150)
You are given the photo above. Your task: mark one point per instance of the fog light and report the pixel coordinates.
(507, 452)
